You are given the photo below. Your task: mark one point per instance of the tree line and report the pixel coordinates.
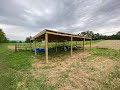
(97, 36)
(3, 38)
(91, 34)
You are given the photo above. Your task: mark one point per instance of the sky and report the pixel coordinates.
(23, 18)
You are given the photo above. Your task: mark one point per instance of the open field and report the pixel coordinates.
(114, 44)
(95, 69)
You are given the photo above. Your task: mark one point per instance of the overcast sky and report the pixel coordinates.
(22, 18)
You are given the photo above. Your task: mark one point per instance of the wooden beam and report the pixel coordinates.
(46, 47)
(76, 43)
(64, 34)
(56, 46)
(71, 45)
(35, 48)
(58, 34)
(90, 43)
(15, 47)
(31, 44)
(84, 44)
(39, 34)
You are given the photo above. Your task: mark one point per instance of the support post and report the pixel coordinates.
(30, 44)
(56, 46)
(35, 48)
(71, 45)
(46, 47)
(84, 44)
(90, 43)
(76, 43)
(15, 47)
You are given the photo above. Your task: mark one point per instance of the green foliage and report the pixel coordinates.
(16, 60)
(9, 79)
(36, 84)
(27, 40)
(3, 38)
(87, 33)
(15, 72)
(97, 36)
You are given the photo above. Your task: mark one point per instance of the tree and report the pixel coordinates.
(118, 33)
(3, 38)
(87, 33)
(98, 36)
(28, 39)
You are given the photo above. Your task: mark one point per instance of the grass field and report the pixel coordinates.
(95, 69)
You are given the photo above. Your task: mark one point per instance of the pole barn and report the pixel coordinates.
(55, 36)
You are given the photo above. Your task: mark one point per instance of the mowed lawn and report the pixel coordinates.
(95, 69)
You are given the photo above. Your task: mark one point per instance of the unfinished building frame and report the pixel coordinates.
(55, 36)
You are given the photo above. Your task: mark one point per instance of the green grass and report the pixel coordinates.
(105, 52)
(16, 69)
(112, 79)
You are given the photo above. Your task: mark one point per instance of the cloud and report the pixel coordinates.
(14, 32)
(22, 18)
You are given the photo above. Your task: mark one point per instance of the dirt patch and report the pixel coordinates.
(37, 64)
(110, 44)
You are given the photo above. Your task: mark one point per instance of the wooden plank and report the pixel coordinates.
(90, 43)
(63, 34)
(46, 47)
(76, 43)
(15, 47)
(84, 44)
(58, 34)
(39, 34)
(35, 48)
(50, 31)
(30, 43)
(56, 46)
(71, 45)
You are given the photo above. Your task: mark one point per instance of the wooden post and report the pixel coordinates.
(76, 43)
(15, 47)
(46, 47)
(56, 47)
(90, 43)
(35, 48)
(63, 43)
(71, 45)
(84, 44)
(31, 44)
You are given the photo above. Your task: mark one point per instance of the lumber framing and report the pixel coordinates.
(35, 48)
(90, 43)
(56, 46)
(71, 45)
(46, 47)
(84, 44)
(55, 36)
